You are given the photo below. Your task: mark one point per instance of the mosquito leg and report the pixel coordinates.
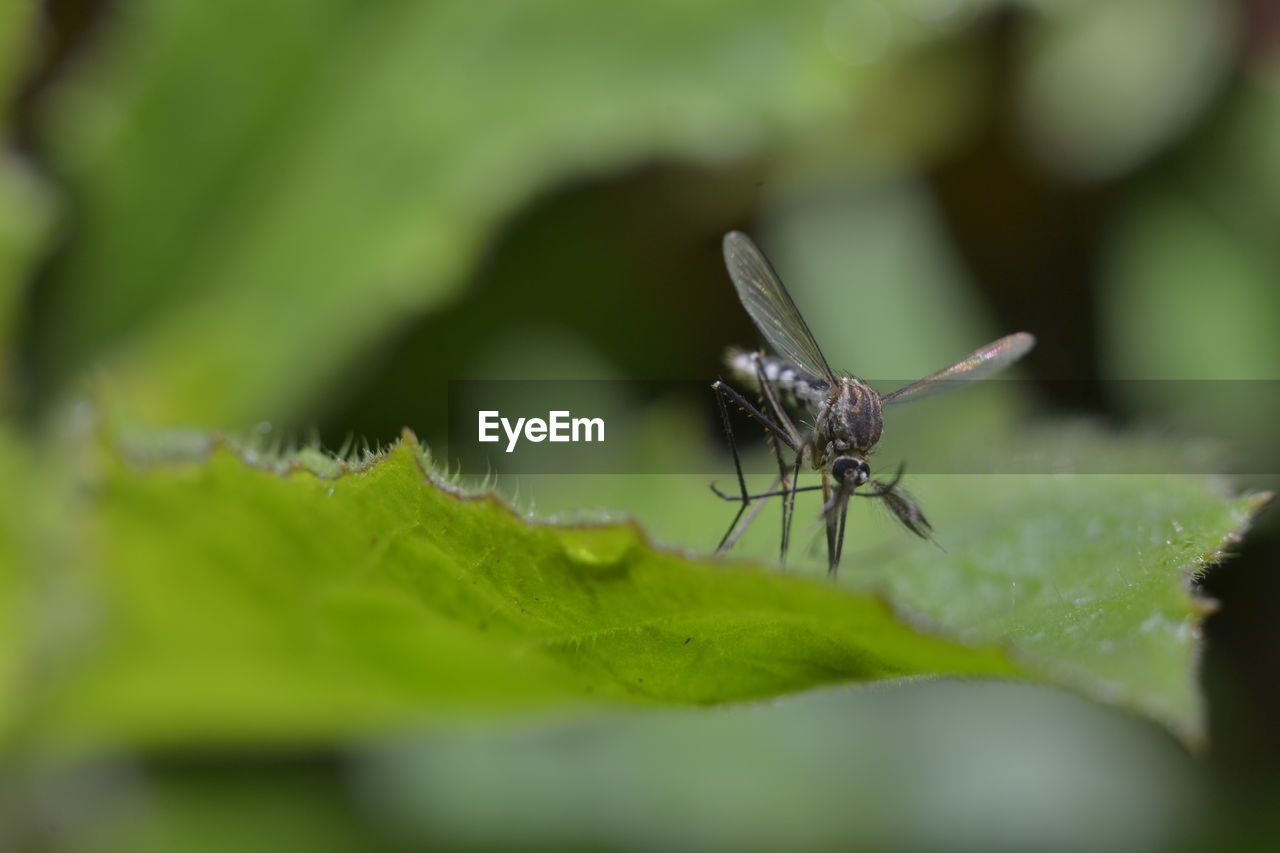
(735, 532)
(795, 479)
(737, 466)
(786, 486)
(723, 392)
(766, 388)
(775, 408)
(789, 503)
(772, 494)
(769, 402)
(738, 400)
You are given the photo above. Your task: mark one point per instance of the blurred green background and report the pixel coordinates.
(310, 215)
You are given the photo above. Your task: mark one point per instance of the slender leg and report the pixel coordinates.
(775, 408)
(738, 400)
(737, 466)
(769, 402)
(775, 432)
(786, 485)
(789, 503)
(771, 494)
(766, 388)
(735, 532)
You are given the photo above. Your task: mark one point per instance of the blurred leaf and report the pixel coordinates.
(1190, 300)
(25, 212)
(909, 767)
(1110, 82)
(249, 225)
(17, 30)
(876, 278)
(15, 625)
(272, 806)
(25, 207)
(237, 605)
(1233, 166)
(1205, 295)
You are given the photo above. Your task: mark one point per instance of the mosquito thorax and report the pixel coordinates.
(851, 418)
(850, 471)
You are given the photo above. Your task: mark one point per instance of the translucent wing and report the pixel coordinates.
(770, 306)
(976, 365)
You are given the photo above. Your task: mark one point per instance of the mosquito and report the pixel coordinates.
(846, 413)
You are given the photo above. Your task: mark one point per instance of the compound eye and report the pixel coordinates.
(846, 466)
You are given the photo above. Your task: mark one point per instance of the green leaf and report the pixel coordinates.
(250, 225)
(244, 605)
(1084, 576)
(250, 599)
(1088, 575)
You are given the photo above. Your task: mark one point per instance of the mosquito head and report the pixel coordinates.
(850, 471)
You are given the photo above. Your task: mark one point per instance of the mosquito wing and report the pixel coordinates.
(976, 365)
(770, 306)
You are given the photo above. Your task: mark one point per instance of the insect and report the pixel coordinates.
(846, 413)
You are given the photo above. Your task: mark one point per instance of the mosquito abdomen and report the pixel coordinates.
(793, 386)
